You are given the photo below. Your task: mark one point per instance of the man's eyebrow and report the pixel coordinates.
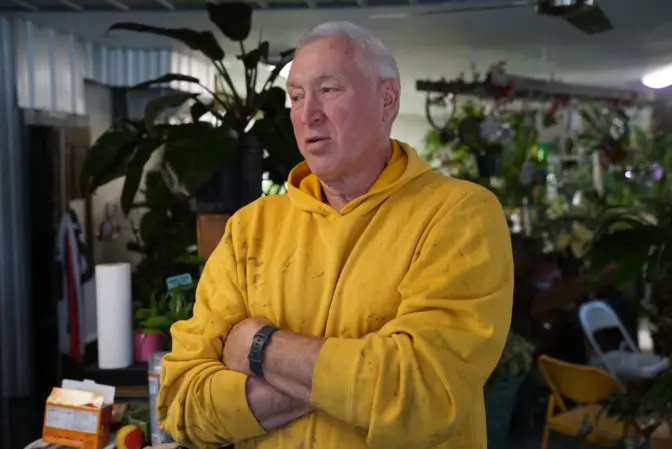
(322, 77)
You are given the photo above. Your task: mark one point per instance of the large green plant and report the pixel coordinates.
(637, 235)
(516, 360)
(175, 305)
(196, 150)
(164, 235)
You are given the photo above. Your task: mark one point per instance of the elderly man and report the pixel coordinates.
(365, 308)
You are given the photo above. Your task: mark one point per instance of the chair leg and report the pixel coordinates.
(546, 437)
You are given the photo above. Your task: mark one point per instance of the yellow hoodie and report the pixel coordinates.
(423, 259)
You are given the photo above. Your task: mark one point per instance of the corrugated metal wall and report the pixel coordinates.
(53, 65)
(15, 375)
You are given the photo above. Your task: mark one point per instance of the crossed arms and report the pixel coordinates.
(431, 360)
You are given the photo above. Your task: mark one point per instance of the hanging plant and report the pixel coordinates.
(606, 131)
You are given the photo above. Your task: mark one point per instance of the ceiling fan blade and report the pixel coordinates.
(591, 20)
(515, 4)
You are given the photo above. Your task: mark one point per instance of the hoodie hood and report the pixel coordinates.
(305, 191)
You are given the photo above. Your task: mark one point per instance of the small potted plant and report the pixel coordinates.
(155, 321)
(501, 389)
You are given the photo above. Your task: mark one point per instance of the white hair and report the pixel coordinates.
(375, 55)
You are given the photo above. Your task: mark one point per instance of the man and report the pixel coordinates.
(365, 308)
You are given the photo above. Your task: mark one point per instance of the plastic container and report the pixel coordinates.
(158, 436)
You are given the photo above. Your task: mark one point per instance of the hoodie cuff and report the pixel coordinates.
(334, 377)
(229, 399)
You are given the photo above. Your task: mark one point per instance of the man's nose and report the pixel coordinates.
(312, 110)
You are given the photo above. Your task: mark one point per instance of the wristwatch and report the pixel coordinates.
(258, 347)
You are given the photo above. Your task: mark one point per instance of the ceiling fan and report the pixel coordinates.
(582, 14)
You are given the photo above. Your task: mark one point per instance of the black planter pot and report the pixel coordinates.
(236, 184)
(500, 401)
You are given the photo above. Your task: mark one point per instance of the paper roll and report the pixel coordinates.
(114, 309)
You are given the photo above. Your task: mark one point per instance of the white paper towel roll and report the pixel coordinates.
(114, 309)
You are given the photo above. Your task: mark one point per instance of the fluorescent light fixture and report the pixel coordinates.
(658, 79)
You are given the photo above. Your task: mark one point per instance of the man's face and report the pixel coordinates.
(338, 109)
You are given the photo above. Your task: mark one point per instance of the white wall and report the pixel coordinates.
(411, 129)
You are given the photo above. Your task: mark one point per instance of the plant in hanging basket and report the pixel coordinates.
(220, 161)
(607, 132)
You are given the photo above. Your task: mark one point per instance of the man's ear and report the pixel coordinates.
(390, 89)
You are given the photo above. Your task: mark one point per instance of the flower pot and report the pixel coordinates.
(146, 344)
(237, 183)
(500, 401)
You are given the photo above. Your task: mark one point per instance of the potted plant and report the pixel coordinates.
(637, 236)
(219, 162)
(155, 321)
(501, 389)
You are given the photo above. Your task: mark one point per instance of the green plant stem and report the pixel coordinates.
(248, 79)
(264, 93)
(255, 72)
(225, 74)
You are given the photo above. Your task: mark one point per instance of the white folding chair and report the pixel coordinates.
(625, 362)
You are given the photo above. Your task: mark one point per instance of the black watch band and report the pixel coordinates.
(258, 347)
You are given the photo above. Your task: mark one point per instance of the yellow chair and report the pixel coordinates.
(585, 385)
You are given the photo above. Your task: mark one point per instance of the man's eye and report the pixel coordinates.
(329, 89)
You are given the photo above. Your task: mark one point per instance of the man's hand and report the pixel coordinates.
(238, 342)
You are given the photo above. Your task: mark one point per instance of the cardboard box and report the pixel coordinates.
(78, 414)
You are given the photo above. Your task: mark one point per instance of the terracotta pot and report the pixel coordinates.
(145, 344)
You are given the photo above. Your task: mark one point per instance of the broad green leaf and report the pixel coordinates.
(276, 136)
(198, 110)
(234, 20)
(274, 101)
(142, 314)
(195, 151)
(203, 41)
(107, 158)
(150, 226)
(157, 194)
(251, 59)
(158, 105)
(134, 171)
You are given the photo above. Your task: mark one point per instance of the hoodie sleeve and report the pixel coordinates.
(412, 383)
(200, 402)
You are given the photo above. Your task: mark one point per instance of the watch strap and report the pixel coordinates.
(258, 347)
